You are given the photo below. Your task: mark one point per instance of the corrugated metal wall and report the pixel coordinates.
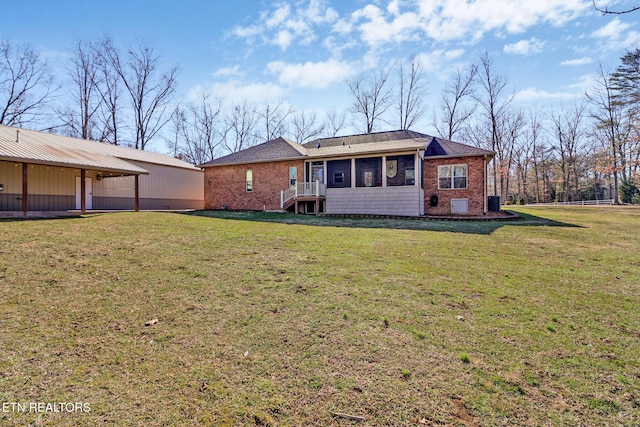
(50, 188)
(53, 188)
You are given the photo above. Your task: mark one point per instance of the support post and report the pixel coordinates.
(25, 192)
(136, 206)
(83, 190)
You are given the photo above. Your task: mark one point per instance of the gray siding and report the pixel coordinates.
(126, 203)
(405, 201)
(37, 202)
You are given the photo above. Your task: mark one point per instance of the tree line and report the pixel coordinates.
(589, 150)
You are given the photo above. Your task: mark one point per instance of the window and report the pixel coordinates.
(249, 181)
(339, 173)
(317, 169)
(369, 172)
(409, 176)
(400, 170)
(452, 177)
(293, 176)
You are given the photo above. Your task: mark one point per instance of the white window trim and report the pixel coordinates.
(452, 177)
(248, 181)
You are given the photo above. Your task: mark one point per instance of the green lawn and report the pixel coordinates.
(268, 319)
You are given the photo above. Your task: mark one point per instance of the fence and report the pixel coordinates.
(602, 202)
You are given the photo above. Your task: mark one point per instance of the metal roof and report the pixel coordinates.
(21, 145)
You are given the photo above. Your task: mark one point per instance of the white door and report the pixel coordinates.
(88, 193)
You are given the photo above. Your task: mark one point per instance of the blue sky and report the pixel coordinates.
(302, 51)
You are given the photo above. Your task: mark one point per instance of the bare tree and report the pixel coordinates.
(241, 122)
(606, 11)
(455, 112)
(335, 122)
(534, 152)
(411, 94)
(608, 117)
(494, 102)
(80, 116)
(274, 118)
(26, 84)
(371, 98)
(510, 136)
(149, 93)
(304, 127)
(198, 130)
(110, 91)
(568, 136)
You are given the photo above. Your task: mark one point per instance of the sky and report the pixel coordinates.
(303, 51)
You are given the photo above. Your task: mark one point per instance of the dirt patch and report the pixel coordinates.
(463, 414)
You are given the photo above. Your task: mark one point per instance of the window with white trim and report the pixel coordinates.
(249, 181)
(452, 177)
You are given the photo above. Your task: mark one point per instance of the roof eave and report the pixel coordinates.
(73, 165)
(457, 156)
(252, 162)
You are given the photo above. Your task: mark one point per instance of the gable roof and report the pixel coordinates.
(24, 145)
(276, 149)
(371, 143)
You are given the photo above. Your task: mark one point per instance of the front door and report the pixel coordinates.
(317, 169)
(88, 193)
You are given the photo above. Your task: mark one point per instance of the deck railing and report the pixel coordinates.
(302, 189)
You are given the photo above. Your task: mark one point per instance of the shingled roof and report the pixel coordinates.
(379, 142)
(366, 138)
(276, 149)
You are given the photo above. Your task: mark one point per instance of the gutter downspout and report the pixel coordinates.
(484, 173)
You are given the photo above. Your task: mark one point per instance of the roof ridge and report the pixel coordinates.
(298, 147)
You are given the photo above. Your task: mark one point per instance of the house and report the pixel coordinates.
(386, 173)
(46, 172)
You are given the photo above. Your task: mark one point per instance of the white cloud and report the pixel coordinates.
(471, 19)
(234, 91)
(316, 75)
(576, 62)
(534, 94)
(284, 26)
(525, 47)
(376, 30)
(439, 60)
(613, 36)
(228, 71)
(612, 30)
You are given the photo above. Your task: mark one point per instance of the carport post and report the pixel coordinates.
(83, 191)
(137, 194)
(25, 192)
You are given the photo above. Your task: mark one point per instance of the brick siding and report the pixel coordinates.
(225, 185)
(474, 192)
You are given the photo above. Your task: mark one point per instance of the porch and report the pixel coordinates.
(304, 197)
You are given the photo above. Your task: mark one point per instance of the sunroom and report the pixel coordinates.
(387, 184)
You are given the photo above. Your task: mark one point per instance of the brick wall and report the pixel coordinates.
(475, 186)
(225, 185)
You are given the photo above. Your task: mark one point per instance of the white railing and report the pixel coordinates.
(308, 189)
(576, 203)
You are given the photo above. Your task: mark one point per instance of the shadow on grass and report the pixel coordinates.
(37, 218)
(485, 227)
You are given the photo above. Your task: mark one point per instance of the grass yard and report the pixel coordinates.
(266, 319)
